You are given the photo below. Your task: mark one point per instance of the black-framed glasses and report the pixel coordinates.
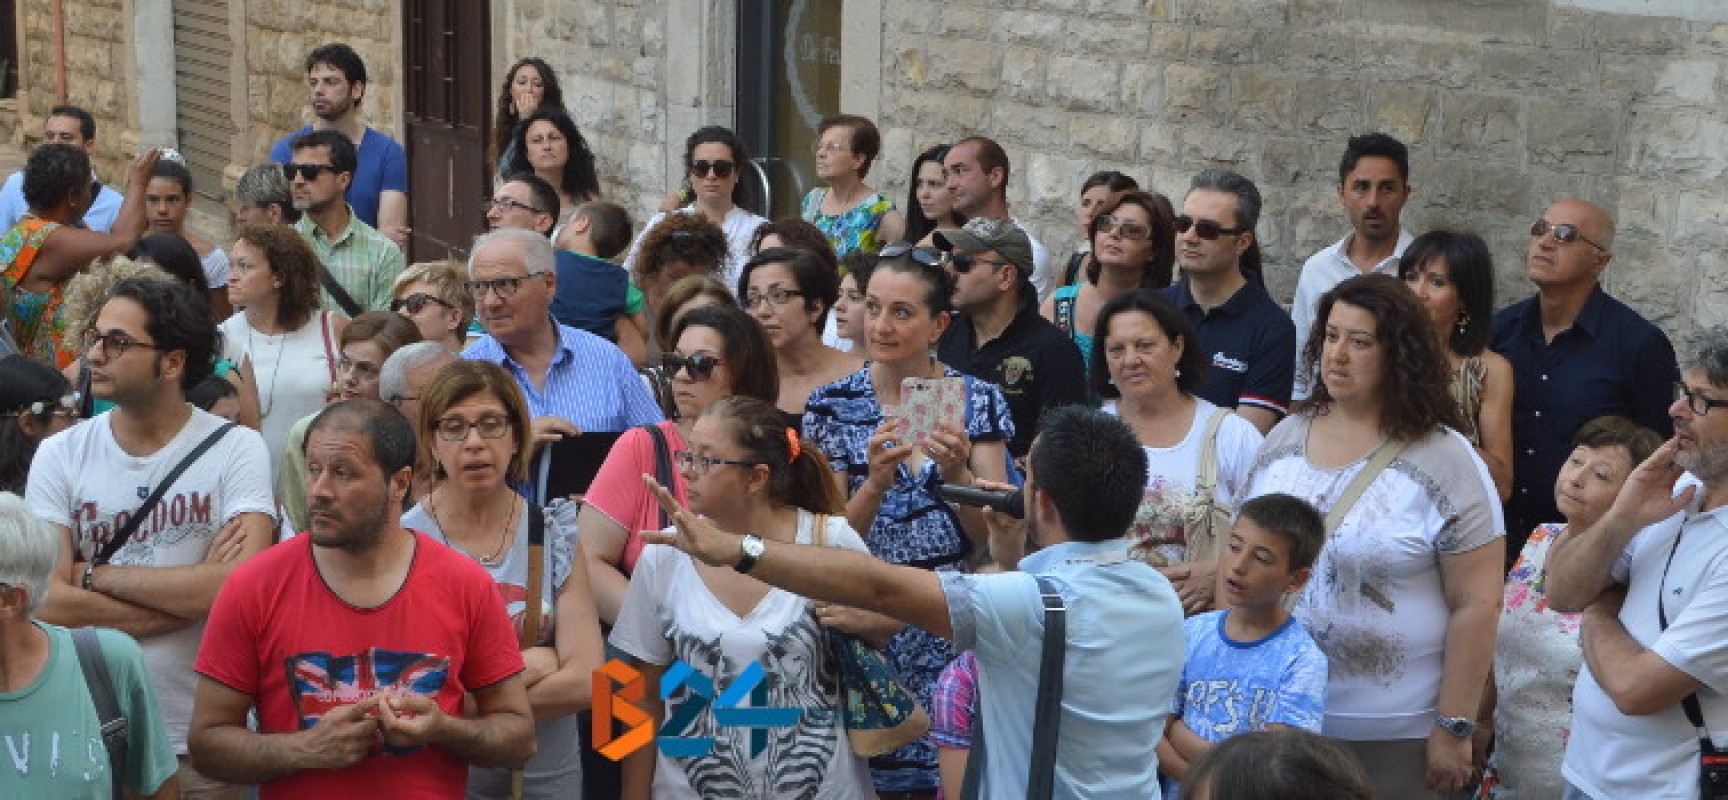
(1205, 228)
(719, 169)
(1564, 233)
(963, 262)
(505, 205)
(775, 296)
(1126, 228)
(505, 288)
(65, 406)
(308, 171)
(921, 255)
(699, 365)
(415, 303)
(701, 465)
(114, 345)
(455, 429)
(1696, 401)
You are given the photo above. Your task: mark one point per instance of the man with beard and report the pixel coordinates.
(1652, 580)
(336, 78)
(360, 265)
(1373, 185)
(357, 642)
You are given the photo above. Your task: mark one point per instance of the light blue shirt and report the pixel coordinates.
(590, 382)
(100, 216)
(1124, 661)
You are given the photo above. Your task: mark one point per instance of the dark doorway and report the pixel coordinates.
(446, 98)
(788, 80)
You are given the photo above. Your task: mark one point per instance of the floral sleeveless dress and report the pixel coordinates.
(34, 316)
(857, 229)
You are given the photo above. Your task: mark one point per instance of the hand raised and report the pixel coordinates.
(1648, 496)
(695, 535)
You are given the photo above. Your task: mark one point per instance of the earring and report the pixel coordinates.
(1177, 373)
(1463, 322)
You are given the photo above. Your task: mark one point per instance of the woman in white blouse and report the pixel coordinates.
(714, 165)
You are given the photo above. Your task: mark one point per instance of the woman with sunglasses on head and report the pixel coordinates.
(529, 84)
(1101, 189)
(35, 402)
(548, 144)
(288, 341)
(790, 292)
(1133, 247)
(434, 296)
(1453, 275)
(719, 352)
(714, 164)
(893, 485)
(852, 215)
(474, 437)
(743, 471)
(929, 204)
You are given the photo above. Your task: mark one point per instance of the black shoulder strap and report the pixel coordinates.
(1047, 720)
(1689, 703)
(137, 518)
(339, 294)
(662, 463)
(106, 700)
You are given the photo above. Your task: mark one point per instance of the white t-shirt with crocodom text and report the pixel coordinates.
(83, 481)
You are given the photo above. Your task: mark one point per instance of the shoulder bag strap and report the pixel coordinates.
(1206, 482)
(1047, 719)
(330, 355)
(1689, 703)
(662, 464)
(338, 293)
(1383, 455)
(106, 700)
(137, 518)
(536, 573)
(974, 776)
(819, 534)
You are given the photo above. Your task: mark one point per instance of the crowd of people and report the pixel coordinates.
(1392, 541)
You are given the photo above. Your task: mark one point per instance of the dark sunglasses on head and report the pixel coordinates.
(700, 365)
(1564, 233)
(308, 171)
(720, 169)
(921, 255)
(1205, 228)
(415, 303)
(963, 262)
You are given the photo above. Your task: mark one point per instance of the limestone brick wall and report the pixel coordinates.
(280, 34)
(96, 45)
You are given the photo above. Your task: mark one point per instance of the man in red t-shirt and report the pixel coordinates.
(357, 642)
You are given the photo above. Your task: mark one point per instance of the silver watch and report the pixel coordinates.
(1460, 727)
(753, 548)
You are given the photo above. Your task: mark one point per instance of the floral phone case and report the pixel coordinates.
(927, 402)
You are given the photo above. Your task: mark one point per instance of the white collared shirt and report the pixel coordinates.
(1320, 273)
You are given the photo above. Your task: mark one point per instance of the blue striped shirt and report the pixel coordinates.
(590, 382)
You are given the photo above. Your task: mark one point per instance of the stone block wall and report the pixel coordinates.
(278, 37)
(96, 45)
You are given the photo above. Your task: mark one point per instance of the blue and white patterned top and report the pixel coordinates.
(591, 382)
(914, 526)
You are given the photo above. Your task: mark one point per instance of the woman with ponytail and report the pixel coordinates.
(744, 471)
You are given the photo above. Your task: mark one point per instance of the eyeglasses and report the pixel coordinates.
(308, 171)
(66, 406)
(963, 262)
(830, 147)
(701, 465)
(416, 302)
(505, 205)
(921, 255)
(505, 288)
(1131, 230)
(455, 429)
(1698, 403)
(776, 296)
(699, 365)
(113, 344)
(1205, 228)
(719, 169)
(1564, 233)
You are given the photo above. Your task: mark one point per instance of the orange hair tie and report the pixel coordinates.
(792, 445)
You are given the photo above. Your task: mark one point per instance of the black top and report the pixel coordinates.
(1250, 347)
(1034, 364)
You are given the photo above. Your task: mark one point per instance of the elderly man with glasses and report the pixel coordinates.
(1576, 354)
(574, 381)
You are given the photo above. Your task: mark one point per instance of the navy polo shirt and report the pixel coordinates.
(1250, 347)
(1611, 361)
(1033, 362)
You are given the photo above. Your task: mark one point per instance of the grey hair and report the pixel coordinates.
(1247, 194)
(1707, 350)
(27, 551)
(536, 249)
(262, 185)
(393, 375)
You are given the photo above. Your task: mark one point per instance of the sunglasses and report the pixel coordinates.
(1564, 233)
(719, 169)
(415, 303)
(700, 365)
(1205, 228)
(1129, 229)
(308, 171)
(921, 255)
(963, 263)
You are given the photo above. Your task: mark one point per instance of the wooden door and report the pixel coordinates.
(447, 93)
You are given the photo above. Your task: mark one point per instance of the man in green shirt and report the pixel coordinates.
(362, 262)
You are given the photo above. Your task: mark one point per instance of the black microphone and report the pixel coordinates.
(1012, 503)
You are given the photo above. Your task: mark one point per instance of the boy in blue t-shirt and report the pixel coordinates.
(1251, 666)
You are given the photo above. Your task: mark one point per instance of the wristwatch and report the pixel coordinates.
(753, 548)
(1460, 727)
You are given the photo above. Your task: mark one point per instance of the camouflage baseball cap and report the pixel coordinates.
(990, 233)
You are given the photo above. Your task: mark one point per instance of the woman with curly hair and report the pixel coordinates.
(287, 339)
(548, 144)
(1405, 597)
(680, 246)
(529, 85)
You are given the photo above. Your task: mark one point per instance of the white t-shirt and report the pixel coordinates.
(1375, 604)
(82, 480)
(1611, 754)
(740, 227)
(1171, 473)
(670, 614)
(293, 371)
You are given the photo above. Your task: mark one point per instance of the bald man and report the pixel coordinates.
(1576, 354)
